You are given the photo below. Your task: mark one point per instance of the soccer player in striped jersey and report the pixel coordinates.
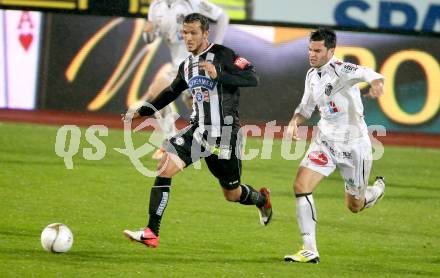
(214, 74)
(165, 21)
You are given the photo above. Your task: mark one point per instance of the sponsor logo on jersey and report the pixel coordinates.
(199, 96)
(328, 89)
(332, 107)
(318, 158)
(349, 68)
(241, 63)
(202, 81)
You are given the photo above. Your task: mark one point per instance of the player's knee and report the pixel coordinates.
(231, 196)
(167, 167)
(231, 190)
(299, 186)
(161, 167)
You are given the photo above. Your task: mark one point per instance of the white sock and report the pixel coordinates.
(306, 217)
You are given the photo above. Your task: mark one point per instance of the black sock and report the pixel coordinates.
(250, 196)
(158, 202)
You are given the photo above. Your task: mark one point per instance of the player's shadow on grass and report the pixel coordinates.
(32, 162)
(163, 257)
(20, 233)
(337, 178)
(80, 163)
(412, 186)
(147, 256)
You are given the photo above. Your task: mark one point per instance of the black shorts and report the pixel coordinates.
(219, 153)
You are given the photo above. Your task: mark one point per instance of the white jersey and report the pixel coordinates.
(333, 89)
(167, 17)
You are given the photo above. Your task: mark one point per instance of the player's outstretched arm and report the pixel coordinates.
(168, 95)
(165, 97)
(353, 74)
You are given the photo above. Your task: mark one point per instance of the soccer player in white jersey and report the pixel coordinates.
(342, 139)
(165, 19)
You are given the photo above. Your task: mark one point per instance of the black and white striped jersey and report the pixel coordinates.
(215, 101)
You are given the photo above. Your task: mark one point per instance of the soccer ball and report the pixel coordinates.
(57, 238)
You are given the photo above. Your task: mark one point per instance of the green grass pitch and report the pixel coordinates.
(202, 235)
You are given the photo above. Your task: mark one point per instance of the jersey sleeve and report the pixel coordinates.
(207, 9)
(179, 84)
(236, 70)
(353, 74)
(307, 105)
(151, 11)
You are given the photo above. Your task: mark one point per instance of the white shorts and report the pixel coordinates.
(354, 161)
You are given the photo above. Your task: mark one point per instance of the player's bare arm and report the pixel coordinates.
(166, 96)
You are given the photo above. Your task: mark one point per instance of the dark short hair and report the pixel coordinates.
(324, 34)
(204, 22)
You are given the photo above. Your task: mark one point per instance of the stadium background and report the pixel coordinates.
(96, 63)
(82, 62)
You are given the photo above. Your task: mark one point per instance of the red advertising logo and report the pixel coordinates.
(318, 158)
